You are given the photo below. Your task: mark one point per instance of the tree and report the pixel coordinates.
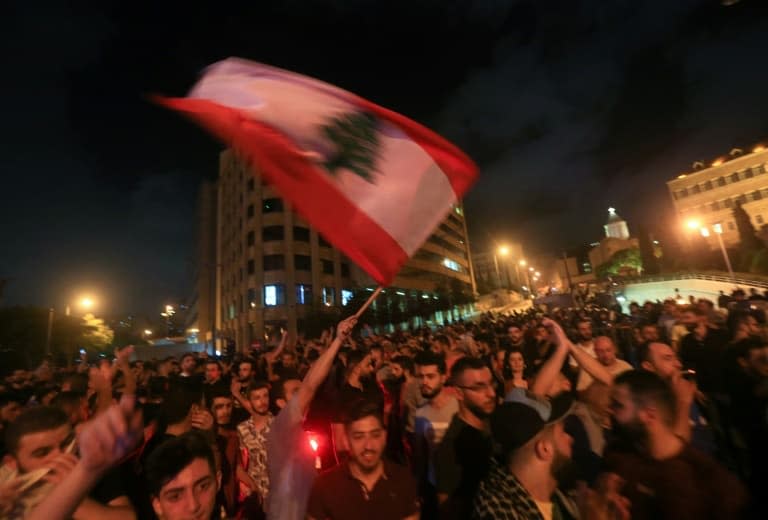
(98, 335)
(647, 254)
(624, 262)
(749, 243)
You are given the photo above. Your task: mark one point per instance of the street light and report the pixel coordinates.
(718, 230)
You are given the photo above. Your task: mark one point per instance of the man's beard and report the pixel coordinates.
(633, 433)
(477, 411)
(429, 394)
(563, 469)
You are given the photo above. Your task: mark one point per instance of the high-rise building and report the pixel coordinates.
(709, 193)
(266, 268)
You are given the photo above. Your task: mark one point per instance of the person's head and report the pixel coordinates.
(258, 397)
(212, 371)
(181, 478)
(476, 393)
(245, 370)
(359, 365)
(642, 406)
(540, 334)
(430, 372)
(515, 334)
(692, 317)
(188, 364)
(366, 435)
(515, 361)
(530, 434)
(605, 350)
(288, 360)
(752, 356)
(10, 407)
(221, 407)
(181, 403)
(74, 404)
(285, 390)
(441, 344)
(649, 333)
(660, 359)
(584, 328)
(38, 436)
(748, 325)
(377, 355)
(401, 367)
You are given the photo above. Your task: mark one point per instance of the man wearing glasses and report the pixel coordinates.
(463, 458)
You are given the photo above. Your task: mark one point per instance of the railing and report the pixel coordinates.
(747, 279)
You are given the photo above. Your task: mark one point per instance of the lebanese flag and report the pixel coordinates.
(373, 182)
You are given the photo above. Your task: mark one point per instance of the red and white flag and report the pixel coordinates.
(373, 182)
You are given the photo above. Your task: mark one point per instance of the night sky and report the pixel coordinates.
(568, 107)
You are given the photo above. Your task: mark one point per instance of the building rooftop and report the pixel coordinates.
(735, 153)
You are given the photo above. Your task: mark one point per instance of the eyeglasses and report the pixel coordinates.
(480, 387)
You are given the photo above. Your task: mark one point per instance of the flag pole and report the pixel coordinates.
(369, 301)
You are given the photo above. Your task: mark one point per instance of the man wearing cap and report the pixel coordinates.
(534, 450)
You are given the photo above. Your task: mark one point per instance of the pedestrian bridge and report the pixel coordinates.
(699, 285)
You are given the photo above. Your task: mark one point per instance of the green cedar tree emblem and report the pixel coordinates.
(355, 137)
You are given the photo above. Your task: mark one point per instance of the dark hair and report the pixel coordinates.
(179, 401)
(428, 358)
(68, 401)
(360, 409)
(278, 389)
(211, 361)
(33, 420)
(443, 340)
(248, 360)
(10, 397)
(466, 363)
(354, 358)
(743, 347)
(648, 388)
(257, 385)
(405, 362)
(172, 456)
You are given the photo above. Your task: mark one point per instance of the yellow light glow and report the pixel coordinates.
(682, 176)
(503, 250)
(693, 224)
(531, 269)
(147, 332)
(86, 302)
(523, 263)
(704, 232)
(717, 162)
(758, 148)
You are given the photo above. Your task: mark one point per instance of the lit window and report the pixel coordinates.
(329, 296)
(274, 295)
(450, 264)
(303, 294)
(345, 296)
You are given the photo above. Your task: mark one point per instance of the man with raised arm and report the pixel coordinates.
(290, 462)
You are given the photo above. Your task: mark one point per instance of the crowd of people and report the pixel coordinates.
(587, 412)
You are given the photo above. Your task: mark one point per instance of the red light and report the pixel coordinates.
(313, 444)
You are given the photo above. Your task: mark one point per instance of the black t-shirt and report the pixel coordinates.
(461, 462)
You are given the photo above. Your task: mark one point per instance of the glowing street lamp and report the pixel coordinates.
(718, 230)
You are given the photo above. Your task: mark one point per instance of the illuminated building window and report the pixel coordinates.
(329, 296)
(303, 294)
(274, 295)
(346, 296)
(452, 265)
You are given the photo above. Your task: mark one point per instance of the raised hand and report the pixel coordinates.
(345, 327)
(110, 436)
